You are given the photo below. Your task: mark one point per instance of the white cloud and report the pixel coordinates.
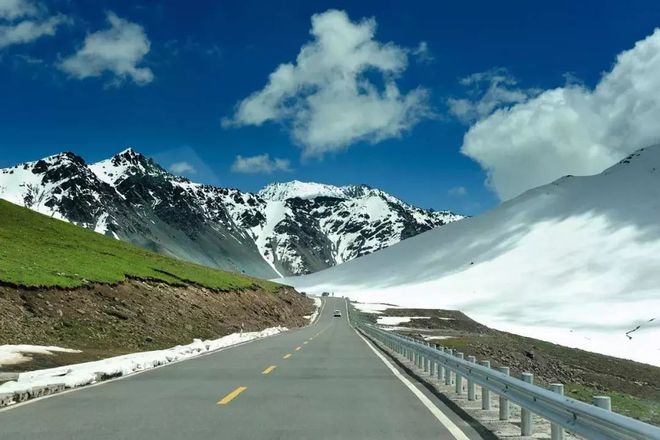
(118, 49)
(182, 168)
(35, 25)
(423, 53)
(500, 90)
(458, 191)
(259, 164)
(13, 9)
(325, 97)
(572, 129)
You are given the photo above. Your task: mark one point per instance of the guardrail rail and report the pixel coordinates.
(595, 421)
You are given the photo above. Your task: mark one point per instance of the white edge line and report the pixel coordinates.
(134, 373)
(442, 418)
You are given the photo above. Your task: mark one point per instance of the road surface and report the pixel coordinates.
(323, 381)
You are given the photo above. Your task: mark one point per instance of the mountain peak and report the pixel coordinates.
(303, 190)
(131, 156)
(125, 164)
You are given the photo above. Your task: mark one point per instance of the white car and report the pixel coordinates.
(337, 314)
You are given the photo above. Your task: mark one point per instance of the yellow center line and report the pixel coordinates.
(305, 343)
(298, 348)
(231, 396)
(269, 369)
(286, 356)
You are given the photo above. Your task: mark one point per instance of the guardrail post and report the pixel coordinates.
(423, 357)
(450, 352)
(471, 388)
(525, 414)
(556, 431)
(485, 392)
(428, 361)
(441, 367)
(435, 366)
(504, 402)
(459, 378)
(602, 402)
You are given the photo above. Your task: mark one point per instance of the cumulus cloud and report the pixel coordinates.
(22, 21)
(260, 164)
(458, 191)
(572, 129)
(326, 98)
(488, 91)
(182, 168)
(118, 50)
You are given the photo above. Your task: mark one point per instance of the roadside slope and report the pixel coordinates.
(573, 262)
(38, 251)
(67, 286)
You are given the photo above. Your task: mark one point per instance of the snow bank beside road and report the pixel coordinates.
(317, 303)
(77, 375)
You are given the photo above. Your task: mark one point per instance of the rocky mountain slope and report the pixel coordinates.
(574, 262)
(288, 228)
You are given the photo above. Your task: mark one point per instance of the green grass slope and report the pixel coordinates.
(38, 251)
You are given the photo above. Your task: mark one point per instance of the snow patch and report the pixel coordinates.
(17, 354)
(373, 308)
(396, 320)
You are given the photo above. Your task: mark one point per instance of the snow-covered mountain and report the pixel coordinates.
(288, 228)
(575, 262)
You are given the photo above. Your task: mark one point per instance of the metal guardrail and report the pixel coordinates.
(590, 421)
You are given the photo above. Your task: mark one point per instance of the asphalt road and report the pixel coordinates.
(323, 381)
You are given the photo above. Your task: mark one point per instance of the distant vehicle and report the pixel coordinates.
(337, 314)
(325, 294)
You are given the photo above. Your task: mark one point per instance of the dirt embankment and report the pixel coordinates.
(105, 320)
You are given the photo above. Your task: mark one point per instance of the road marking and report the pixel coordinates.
(134, 373)
(286, 356)
(298, 348)
(305, 343)
(231, 396)
(442, 418)
(269, 369)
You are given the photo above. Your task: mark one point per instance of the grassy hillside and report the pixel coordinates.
(36, 250)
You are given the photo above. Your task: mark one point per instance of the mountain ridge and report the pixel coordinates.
(287, 228)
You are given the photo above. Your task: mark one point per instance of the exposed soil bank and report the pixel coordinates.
(104, 320)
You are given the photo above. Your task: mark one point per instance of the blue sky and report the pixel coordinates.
(205, 57)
